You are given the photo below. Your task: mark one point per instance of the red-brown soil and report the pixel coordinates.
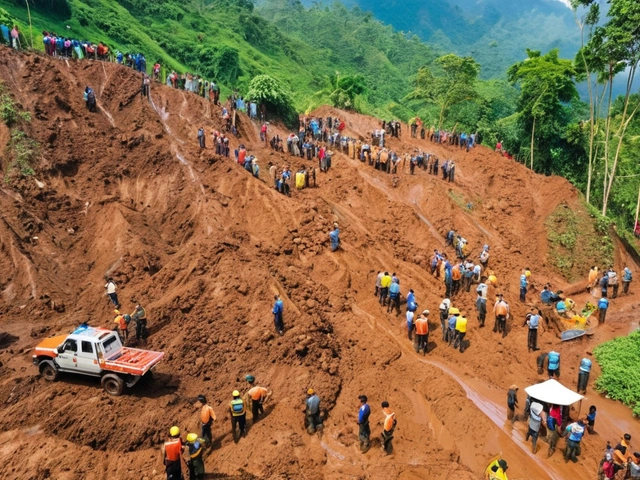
(204, 246)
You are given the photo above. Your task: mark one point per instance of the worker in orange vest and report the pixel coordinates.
(121, 326)
(207, 417)
(258, 396)
(455, 278)
(422, 332)
(172, 455)
(388, 427)
(501, 311)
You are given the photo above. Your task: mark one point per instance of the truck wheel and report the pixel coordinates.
(49, 371)
(112, 384)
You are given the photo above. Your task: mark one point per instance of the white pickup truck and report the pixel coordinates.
(96, 352)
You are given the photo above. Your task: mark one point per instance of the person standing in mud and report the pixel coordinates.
(422, 332)
(481, 303)
(172, 455)
(444, 317)
(146, 81)
(278, 311)
(139, 315)
(312, 412)
(207, 417)
(388, 427)
(512, 403)
(111, 292)
(201, 137)
(627, 276)
(501, 311)
(532, 320)
(364, 430)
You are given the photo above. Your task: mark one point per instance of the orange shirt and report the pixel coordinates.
(258, 393)
(390, 419)
(173, 449)
(422, 326)
(122, 323)
(455, 273)
(206, 414)
(501, 308)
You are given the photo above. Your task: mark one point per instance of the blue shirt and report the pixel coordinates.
(363, 413)
(585, 365)
(545, 296)
(554, 360)
(534, 321)
(411, 298)
(278, 307)
(394, 290)
(452, 322)
(523, 281)
(603, 303)
(626, 277)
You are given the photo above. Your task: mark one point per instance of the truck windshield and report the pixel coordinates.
(111, 345)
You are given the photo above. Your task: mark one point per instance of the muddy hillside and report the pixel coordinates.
(126, 193)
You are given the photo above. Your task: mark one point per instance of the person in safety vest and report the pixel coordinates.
(496, 470)
(257, 396)
(238, 411)
(195, 462)
(207, 417)
(172, 455)
(388, 427)
(422, 332)
(460, 332)
(121, 326)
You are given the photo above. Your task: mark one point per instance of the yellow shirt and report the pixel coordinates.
(385, 281)
(461, 324)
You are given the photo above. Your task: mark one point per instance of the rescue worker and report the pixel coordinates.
(532, 320)
(592, 279)
(575, 431)
(385, 283)
(422, 332)
(195, 446)
(238, 411)
(121, 326)
(139, 315)
(634, 466)
(461, 331)
(501, 311)
(410, 324)
(378, 284)
(627, 276)
(512, 403)
(278, 311)
(394, 297)
(172, 455)
(603, 305)
(454, 313)
(258, 396)
(388, 427)
(481, 301)
(364, 430)
(583, 375)
(111, 292)
(553, 432)
(312, 412)
(535, 420)
(207, 417)
(620, 451)
(496, 470)
(553, 364)
(334, 236)
(524, 283)
(444, 316)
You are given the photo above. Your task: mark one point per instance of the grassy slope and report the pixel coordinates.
(185, 37)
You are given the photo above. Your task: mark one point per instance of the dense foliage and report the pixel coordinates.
(619, 360)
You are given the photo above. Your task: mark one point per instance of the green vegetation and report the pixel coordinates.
(21, 149)
(578, 238)
(619, 360)
(268, 91)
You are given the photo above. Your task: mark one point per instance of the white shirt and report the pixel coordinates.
(111, 287)
(410, 316)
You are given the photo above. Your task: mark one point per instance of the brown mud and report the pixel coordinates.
(204, 246)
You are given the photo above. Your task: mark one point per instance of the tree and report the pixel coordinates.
(269, 92)
(546, 82)
(342, 90)
(450, 81)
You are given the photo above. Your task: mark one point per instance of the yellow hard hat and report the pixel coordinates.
(174, 431)
(454, 311)
(192, 437)
(236, 393)
(116, 311)
(310, 391)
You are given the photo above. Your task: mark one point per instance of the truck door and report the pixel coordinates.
(68, 358)
(87, 358)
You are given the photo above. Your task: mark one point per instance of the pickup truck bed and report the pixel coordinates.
(133, 361)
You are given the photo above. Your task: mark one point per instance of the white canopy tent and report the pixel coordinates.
(553, 392)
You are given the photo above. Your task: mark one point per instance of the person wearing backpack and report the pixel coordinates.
(627, 276)
(613, 282)
(238, 411)
(604, 284)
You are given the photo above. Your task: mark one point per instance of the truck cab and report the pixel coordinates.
(95, 352)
